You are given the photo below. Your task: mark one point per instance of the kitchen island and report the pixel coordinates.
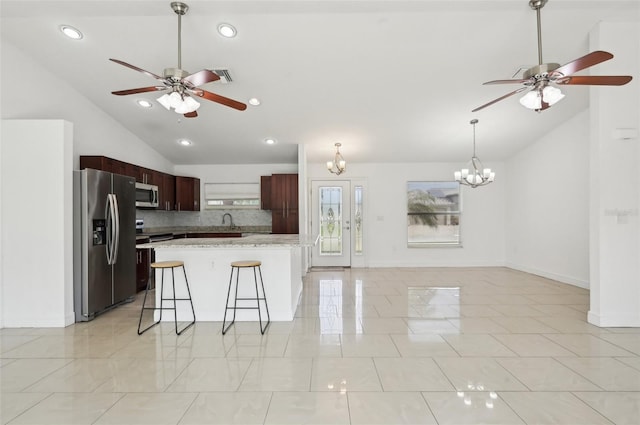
(208, 265)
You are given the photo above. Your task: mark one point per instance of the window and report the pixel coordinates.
(433, 214)
(330, 220)
(358, 224)
(232, 195)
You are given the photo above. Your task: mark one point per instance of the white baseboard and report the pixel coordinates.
(614, 320)
(38, 322)
(550, 275)
(400, 264)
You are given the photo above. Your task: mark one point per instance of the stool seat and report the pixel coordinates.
(249, 263)
(163, 265)
(167, 264)
(254, 302)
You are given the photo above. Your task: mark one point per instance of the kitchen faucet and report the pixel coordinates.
(230, 219)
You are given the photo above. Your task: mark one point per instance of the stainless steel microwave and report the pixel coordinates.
(146, 195)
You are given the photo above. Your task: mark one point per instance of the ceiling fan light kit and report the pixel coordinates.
(534, 99)
(181, 104)
(538, 79)
(475, 174)
(338, 165)
(183, 85)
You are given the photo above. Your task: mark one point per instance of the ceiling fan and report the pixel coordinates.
(182, 84)
(538, 80)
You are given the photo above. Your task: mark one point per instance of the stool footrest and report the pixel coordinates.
(243, 308)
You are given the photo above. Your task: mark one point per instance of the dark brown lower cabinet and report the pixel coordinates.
(143, 266)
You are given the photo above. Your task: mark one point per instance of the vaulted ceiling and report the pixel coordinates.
(392, 80)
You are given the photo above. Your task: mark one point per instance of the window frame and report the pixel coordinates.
(451, 195)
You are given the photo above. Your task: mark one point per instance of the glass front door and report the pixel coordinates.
(331, 223)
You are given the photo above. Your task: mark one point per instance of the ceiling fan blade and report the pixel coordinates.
(191, 114)
(220, 99)
(500, 98)
(506, 82)
(586, 61)
(135, 68)
(603, 80)
(139, 90)
(201, 77)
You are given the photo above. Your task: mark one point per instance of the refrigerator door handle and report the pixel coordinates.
(112, 220)
(116, 221)
(108, 230)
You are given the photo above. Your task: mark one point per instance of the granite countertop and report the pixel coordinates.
(251, 241)
(150, 231)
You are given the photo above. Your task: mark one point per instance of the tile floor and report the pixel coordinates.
(367, 346)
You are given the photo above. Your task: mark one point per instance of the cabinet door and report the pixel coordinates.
(284, 203)
(293, 223)
(142, 175)
(167, 192)
(278, 222)
(187, 193)
(105, 163)
(291, 191)
(284, 222)
(284, 191)
(94, 162)
(265, 192)
(143, 264)
(196, 194)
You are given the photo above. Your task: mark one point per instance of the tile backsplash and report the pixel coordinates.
(203, 218)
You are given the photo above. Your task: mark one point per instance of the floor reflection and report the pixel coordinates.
(338, 304)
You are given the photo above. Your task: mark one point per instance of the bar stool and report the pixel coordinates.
(163, 265)
(236, 266)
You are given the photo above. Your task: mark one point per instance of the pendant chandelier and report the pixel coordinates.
(475, 174)
(338, 165)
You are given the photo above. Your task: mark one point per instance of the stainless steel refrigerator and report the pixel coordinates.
(104, 241)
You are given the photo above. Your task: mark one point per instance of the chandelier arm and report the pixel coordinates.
(338, 165)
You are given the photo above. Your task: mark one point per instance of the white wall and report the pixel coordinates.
(243, 173)
(547, 223)
(482, 222)
(37, 231)
(45, 96)
(93, 133)
(614, 182)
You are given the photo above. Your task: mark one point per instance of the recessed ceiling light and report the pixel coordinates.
(227, 30)
(185, 142)
(71, 32)
(144, 103)
(254, 101)
(270, 141)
